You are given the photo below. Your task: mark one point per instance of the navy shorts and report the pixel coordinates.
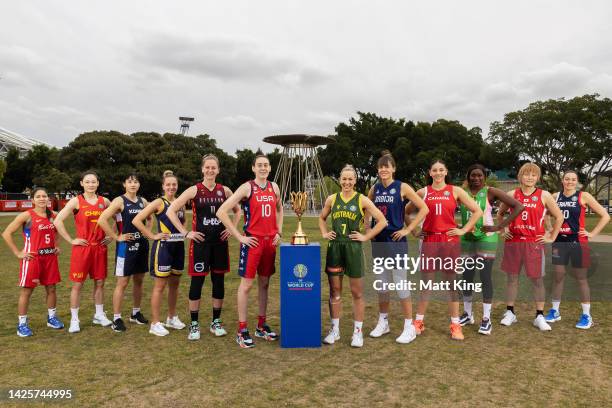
(578, 253)
(383, 246)
(167, 258)
(132, 257)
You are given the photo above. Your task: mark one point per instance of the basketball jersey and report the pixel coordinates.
(347, 216)
(205, 205)
(389, 201)
(39, 235)
(573, 216)
(442, 206)
(165, 225)
(482, 200)
(260, 210)
(124, 219)
(86, 220)
(530, 223)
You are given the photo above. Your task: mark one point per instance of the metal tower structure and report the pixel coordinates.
(185, 121)
(299, 169)
(10, 139)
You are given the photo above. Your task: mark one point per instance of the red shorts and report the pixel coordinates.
(89, 261)
(439, 252)
(43, 268)
(258, 260)
(521, 252)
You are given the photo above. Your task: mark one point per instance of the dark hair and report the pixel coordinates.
(257, 156)
(386, 159)
(570, 171)
(47, 210)
(468, 173)
(88, 172)
(131, 175)
(447, 178)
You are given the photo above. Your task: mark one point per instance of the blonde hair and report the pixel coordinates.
(348, 167)
(168, 173)
(529, 168)
(210, 156)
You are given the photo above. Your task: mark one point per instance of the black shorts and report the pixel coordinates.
(167, 258)
(578, 253)
(132, 257)
(383, 246)
(206, 257)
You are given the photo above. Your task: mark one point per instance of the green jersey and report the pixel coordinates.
(482, 200)
(347, 216)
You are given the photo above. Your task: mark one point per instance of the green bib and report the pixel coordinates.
(347, 216)
(481, 200)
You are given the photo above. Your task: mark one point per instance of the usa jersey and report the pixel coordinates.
(165, 225)
(205, 205)
(260, 210)
(442, 206)
(573, 216)
(389, 201)
(39, 235)
(86, 220)
(530, 223)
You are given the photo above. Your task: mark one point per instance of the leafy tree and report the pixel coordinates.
(2, 170)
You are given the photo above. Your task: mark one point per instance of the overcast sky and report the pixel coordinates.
(248, 69)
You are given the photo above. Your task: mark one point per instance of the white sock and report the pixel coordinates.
(335, 325)
(358, 326)
(486, 311)
(556, 304)
(23, 319)
(419, 317)
(586, 308)
(99, 310)
(116, 316)
(135, 310)
(74, 312)
(51, 312)
(407, 323)
(467, 305)
(382, 316)
(455, 320)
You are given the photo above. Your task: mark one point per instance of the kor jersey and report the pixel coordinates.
(530, 223)
(205, 205)
(260, 210)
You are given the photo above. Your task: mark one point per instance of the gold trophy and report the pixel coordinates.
(298, 204)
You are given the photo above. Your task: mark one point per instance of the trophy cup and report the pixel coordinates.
(298, 204)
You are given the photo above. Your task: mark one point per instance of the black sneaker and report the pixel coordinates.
(138, 318)
(118, 325)
(244, 339)
(265, 332)
(466, 319)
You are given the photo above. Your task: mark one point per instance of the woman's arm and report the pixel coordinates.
(222, 213)
(471, 205)
(509, 202)
(154, 207)
(115, 206)
(381, 222)
(13, 227)
(330, 235)
(604, 218)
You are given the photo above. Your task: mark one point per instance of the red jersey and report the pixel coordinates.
(530, 224)
(86, 220)
(39, 235)
(205, 205)
(442, 206)
(260, 210)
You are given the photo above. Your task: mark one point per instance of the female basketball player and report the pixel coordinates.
(441, 241)
(481, 242)
(344, 252)
(167, 255)
(572, 244)
(132, 250)
(208, 249)
(525, 239)
(38, 264)
(89, 249)
(390, 197)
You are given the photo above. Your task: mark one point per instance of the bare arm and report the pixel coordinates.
(222, 213)
(153, 208)
(236, 215)
(553, 209)
(115, 206)
(279, 215)
(367, 222)
(509, 202)
(471, 205)
(13, 227)
(604, 218)
(71, 206)
(330, 235)
(417, 202)
(381, 222)
(177, 205)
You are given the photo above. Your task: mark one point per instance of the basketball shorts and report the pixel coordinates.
(345, 257)
(258, 260)
(41, 270)
(519, 253)
(439, 252)
(206, 257)
(167, 258)
(89, 261)
(578, 253)
(132, 257)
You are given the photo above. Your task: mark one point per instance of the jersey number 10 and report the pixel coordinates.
(266, 210)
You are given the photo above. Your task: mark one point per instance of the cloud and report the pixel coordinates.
(240, 122)
(561, 79)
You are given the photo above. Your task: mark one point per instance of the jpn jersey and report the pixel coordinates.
(442, 206)
(260, 210)
(530, 223)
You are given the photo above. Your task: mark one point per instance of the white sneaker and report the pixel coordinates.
(216, 328)
(381, 328)
(332, 337)
(509, 318)
(75, 327)
(158, 329)
(102, 320)
(357, 340)
(407, 335)
(194, 331)
(174, 323)
(540, 323)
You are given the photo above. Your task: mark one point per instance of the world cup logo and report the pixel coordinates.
(300, 271)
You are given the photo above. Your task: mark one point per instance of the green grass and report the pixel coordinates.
(516, 366)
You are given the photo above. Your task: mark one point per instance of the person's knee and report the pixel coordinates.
(99, 283)
(50, 289)
(357, 293)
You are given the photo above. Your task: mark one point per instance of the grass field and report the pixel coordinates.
(517, 366)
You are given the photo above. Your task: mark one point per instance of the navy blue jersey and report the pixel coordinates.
(389, 201)
(125, 217)
(573, 216)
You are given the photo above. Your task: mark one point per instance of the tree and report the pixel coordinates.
(560, 134)
(2, 170)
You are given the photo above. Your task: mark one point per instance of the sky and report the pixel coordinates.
(247, 69)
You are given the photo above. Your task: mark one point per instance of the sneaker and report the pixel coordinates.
(509, 318)
(585, 322)
(419, 326)
(332, 337)
(23, 330)
(175, 323)
(118, 325)
(357, 340)
(408, 335)
(485, 327)
(541, 324)
(194, 331)
(138, 318)
(553, 316)
(456, 331)
(381, 328)
(265, 332)
(466, 319)
(216, 328)
(102, 320)
(75, 326)
(158, 329)
(54, 323)
(244, 339)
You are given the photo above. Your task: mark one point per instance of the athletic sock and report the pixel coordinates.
(195, 315)
(455, 320)
(419, 317)
(358, 326)
(242, 326)
(261, 320)
(383, 316)
(486, 311)
(23, 319)
(116, 316)
(539, 312)
(135, 310)
(586, 308)
(510, 308)
(99, 310)
(467, 305)
(216, 313)
(74, 312)
(51, 312)
(556, 304)
(407, 323)
(335, 325)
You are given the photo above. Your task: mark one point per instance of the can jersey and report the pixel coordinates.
(573, 216)
(389, 201)
(86, 220)
(260, 210)
(347, 216)
(39, 235)
(165, 225)
(530, 223)
(442, 206)
(205, 205)
(482, 200)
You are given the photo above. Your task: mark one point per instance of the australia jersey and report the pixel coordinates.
(347, 216)
(39, 235)
(573, 217)
(86, 220)
(389, 201)
(260, 210)
(442, 206)
(165, 225)
(530, 223)
(205, 205)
